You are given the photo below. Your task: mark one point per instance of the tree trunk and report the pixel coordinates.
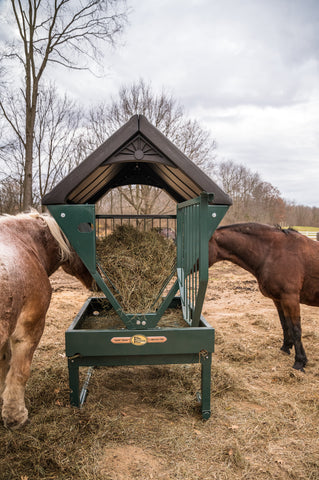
(31, 108)
(27, 182)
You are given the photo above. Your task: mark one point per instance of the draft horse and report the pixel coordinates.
(286, 266)
(32, 247)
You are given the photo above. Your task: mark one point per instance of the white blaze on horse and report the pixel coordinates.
(32, 247)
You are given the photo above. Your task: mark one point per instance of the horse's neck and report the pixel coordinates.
(46, 249)
(238, 248)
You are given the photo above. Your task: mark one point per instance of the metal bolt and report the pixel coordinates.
(138, 322)
(62, 214)
(143, 323)
(214, 215)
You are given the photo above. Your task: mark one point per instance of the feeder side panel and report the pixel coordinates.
(78, 224)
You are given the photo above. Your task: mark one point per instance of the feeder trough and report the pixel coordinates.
(103, 333)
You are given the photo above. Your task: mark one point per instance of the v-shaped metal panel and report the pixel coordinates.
(196, 222)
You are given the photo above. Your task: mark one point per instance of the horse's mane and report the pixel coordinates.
(58, 235)
(251, 228)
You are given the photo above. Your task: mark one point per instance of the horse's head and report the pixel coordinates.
(74, 266)
(216, 247)
(212, 250)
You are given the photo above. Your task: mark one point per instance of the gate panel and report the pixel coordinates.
(196, 222)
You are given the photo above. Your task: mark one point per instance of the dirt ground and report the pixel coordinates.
(145, 422)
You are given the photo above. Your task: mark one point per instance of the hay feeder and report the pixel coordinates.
(139, 154)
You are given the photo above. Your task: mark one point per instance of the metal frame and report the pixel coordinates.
(138, 153)
(104, 223)
(91, 348)
(196, 221)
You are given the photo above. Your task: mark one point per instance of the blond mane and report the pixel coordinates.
(64, 245)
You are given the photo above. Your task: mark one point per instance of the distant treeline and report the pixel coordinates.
(253, 200)
(257, 201)
(66, 133)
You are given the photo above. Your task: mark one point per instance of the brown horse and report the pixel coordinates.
(32, 247)
(286, 266)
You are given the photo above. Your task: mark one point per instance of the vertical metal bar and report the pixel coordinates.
(187, 241)
(192, 232)
(74, 382)
(206, 363)
(194, 267)
(203, 256)
(197, 250)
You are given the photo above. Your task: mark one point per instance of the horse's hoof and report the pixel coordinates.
(299, 366)
(285, 349)
(14, 419)
(14, 424)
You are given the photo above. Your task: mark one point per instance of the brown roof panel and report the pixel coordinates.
(138, 153)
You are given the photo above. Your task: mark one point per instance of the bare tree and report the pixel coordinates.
(55, 132)
(10, 196)
(63, 32)
(166, 114)
(301, 215)
(253, 199)
(162, 110)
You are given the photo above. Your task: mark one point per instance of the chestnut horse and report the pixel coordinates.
(32, 247)
(286, 266)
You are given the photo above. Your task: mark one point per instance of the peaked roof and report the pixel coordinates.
(137, 153)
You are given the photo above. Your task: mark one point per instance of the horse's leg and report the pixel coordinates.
(5, 354)
(291, 308)
(24, 341)
(287, 331)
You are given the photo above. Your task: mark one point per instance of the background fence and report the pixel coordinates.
(310, 234)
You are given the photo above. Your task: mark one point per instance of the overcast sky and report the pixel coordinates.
(245, 69)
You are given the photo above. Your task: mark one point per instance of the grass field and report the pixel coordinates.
(306, 229)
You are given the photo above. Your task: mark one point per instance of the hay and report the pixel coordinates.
(135, 266)
(109, 319)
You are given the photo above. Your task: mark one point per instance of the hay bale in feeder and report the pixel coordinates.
(135, 265)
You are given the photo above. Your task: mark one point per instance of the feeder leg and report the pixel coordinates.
(206, 362)
(74, 383)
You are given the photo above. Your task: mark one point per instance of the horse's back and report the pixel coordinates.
(291, 268)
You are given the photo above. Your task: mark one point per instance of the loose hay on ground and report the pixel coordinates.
(265, 416)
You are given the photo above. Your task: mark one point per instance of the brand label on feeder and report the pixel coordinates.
(156, 339)
(138, 340)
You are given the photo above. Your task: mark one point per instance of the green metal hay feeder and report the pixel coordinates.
(139, 154)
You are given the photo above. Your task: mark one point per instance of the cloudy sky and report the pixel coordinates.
(245, 69)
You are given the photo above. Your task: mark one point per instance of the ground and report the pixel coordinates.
(145, 422)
